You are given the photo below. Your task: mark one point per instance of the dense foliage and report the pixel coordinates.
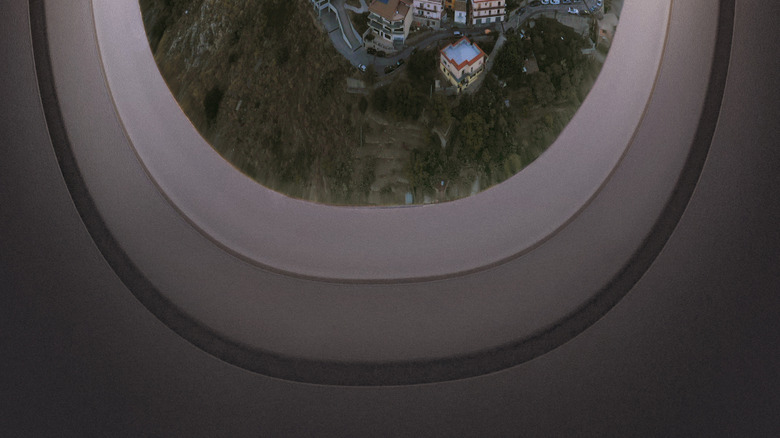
(500, 129)
(265, 86)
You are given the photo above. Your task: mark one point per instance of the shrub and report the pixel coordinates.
(211, 103)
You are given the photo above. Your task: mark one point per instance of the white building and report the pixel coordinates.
(462, 62)
(389, 21)
(428, 12)
(461, 8)
(485, 12)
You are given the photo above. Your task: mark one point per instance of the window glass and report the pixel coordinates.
(316, 101)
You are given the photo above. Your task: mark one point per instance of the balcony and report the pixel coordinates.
(466, 78)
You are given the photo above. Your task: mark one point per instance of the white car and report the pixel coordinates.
(545, 2)
(555, 2)
(574, 11)
(362, 67)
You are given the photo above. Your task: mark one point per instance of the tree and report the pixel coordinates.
(360, 21)
(370, 74)
(403, 101)
(439, 110)
(567, 91)
(510, 58)
(472, 132)
(211, 103)
(422, 66)
(379, 99)
(543, 89)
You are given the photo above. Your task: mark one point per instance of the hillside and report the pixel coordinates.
(262, 82)
(259, 80)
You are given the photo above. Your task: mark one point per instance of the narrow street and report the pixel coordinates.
(346, 25)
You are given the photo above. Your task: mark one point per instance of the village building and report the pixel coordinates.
(462, 62)
(449, 4)
(485, 12)
(390, 22)
(461, 11)
(428, 13)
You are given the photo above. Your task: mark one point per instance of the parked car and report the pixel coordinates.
(381, 54)
(371, 51)
(362, 67)
(389, 69)
(574, 11)
(457, 33)
(545, 2)
(555, 2)
(535, 3)
(399, 63)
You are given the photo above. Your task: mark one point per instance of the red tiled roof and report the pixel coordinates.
(466, 62)
(391, 10)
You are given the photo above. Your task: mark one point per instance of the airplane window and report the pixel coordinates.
(271, 273)
(327, 102)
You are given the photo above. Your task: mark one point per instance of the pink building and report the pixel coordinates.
(428, 12)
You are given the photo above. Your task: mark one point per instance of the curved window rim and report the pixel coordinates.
(363, 243)
(233, 317)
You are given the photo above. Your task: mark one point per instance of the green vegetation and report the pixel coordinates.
(499, 130)
(400, 100)
(263, 84)
(159, 16)
(211, 103)
(359, 21)
(431, 164)
(422, 67)
(487, 44)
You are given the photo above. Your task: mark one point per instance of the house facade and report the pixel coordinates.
(462, 62)
(390, 22)
(428, 13)
(486, 12)
(461, 11)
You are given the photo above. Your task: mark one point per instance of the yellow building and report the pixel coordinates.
(462, 62)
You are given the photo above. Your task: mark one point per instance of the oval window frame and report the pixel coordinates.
(431, 349)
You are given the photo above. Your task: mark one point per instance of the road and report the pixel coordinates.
(359, 56)
(363, 7)
(346, 24)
